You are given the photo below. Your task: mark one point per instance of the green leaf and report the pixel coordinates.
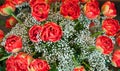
(53, 67)
(2, 22)
(118, 69)
(2, 65)
(2, 1)
(97, 33)
(8, 10)
(2, 50)
(92, 48)
(79, 26)
(4, 57)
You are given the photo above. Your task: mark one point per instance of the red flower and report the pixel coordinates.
(81, 68)
(110, 26)
(75, 1)
(10, 64)
(104, 44)
(6, 9)
(40, 10)
(51, 32)
(13, 43)
(83, 1)
(116, 58)
(108, 9)
(16, 2)
(34, 33)
(91, 9)
(20, 62)
(52, 1)
(39, 65)
(118, 38)
(10, 22)
(70, 9)
(1, 35)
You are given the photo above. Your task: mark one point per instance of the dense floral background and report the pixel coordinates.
(59, 35)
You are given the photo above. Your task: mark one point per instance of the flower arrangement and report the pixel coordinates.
(59, 35)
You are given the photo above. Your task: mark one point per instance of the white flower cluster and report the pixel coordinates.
(97, 61)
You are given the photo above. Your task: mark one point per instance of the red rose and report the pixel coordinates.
(39, 65)
(34, 33)
(116, 58)
(104, 44)
(118, 38)
(13, 43)
(81, 68)
(6, 9)
(91, 9)
(10, 22)
(110, 26)
(51, 32)
(16, 2)
(20, 62)
(76, 1)
(83, 1)
(108, 9)
(1, 35)
(52, 1)
(70, 9)
(40, 10)
(10, 64)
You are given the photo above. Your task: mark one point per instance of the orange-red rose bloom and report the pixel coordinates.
(10, 22)
(91, 9)
(118, 38)
(52, 1)
(40, 10)
(70, 9)
(20, 62)
(7, 8)
(39, 65)
(13, 43)
(83, 1)
(110, 26)
(81, 68)
(16, 2)
(116, 58)
(104, 44)
(10, 64)
(1, 35)
(108, 9)
(75, 1)
(51, 32)
(34, 33)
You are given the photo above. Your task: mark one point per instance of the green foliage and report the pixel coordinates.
(2, 1)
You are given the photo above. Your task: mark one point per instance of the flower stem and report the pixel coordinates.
(17, 18)
(76, 63)
(55, 7)
(86, 65)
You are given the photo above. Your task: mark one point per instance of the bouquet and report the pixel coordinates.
(59, 35)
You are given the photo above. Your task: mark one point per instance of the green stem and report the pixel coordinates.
(76, 63)
(17, 18)
(86, 65)
(55, 7)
